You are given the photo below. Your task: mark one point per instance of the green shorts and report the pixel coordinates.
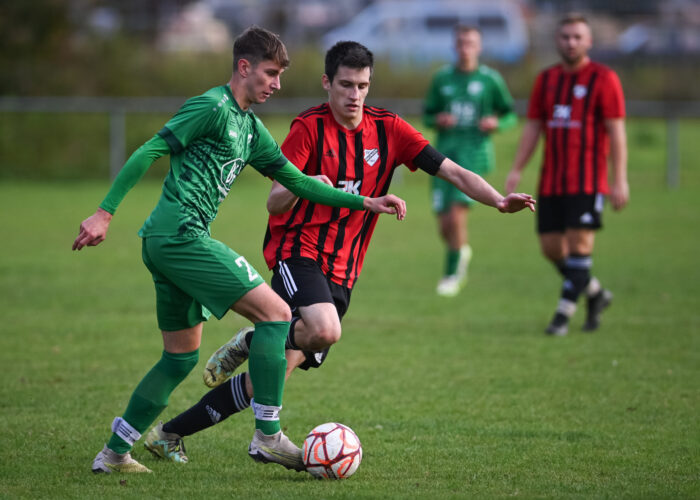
(445, 194)
(194, 276)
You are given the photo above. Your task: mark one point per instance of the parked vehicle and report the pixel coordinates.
(414, 31)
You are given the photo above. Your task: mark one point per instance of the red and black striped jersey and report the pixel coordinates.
(573, 107)
(360, 161)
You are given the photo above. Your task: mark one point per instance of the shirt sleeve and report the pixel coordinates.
(612, 99)
(535, 107)
(407, 143)
(314, 190)
(298, 146)
(133, 170)
(196, 118)
(433, 103)
(266, 156)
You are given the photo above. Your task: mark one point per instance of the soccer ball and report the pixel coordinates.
(332, 451)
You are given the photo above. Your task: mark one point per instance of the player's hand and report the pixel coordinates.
(323, 179)
(488, 123)
(388, 204)
(512, 181)
(515, 202)
(445, 120)
(93, 230)
(619, 194)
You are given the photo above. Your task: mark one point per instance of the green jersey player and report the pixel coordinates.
(210, 139)
(466, 102)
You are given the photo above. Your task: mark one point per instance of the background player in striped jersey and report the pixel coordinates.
(316, 252)
(466, 103)
(210, 139)
(579, 106)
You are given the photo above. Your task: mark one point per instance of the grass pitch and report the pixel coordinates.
(457, 398)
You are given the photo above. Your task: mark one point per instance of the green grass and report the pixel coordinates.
(462, 398)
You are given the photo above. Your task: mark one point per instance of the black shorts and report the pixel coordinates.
(559, 213)
(301, 282)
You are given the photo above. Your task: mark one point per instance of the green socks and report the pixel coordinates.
(151, 397)
(451, 262)
(266, 367)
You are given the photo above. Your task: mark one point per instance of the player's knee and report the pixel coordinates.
(277, 311)
(282, 314)
(553, 254)
(325, 334)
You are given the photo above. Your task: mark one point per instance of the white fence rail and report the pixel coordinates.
(118, 107)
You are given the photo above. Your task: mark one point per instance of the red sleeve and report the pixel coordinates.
(407, 143)
(298, 145)
(535, 107)
(612, 102)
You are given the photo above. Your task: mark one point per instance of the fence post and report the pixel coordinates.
(117, 141)
(672, 153)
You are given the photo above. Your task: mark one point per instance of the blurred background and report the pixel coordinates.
(75, 71)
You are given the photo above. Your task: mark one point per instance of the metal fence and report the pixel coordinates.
(118, 107)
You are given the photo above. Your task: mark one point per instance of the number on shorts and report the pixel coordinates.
(252, 275)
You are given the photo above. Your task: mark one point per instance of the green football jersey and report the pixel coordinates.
(470, 97)
(211, 139)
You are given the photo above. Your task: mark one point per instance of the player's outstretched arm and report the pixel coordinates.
(281, 199)
(476, 187)
(316, 191)
(93, 230)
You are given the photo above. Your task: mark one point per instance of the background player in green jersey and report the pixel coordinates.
(466, 102)
(209, 140)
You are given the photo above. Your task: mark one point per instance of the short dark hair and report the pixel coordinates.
(465, 28)
(257, 44)
(350, 54)
(573, 18)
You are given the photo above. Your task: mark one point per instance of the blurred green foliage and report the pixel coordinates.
(44, 51)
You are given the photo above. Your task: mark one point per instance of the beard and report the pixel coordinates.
(572, 59)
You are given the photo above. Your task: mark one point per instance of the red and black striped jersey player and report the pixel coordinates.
(579, 107)
(316, 253)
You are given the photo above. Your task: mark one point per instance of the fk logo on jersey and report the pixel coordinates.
(352, 187)
(562, 112)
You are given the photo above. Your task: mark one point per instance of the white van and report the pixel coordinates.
(414, 31)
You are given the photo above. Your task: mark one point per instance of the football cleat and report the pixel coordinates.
(596, 305)
(277, 449)
(227, 359)
(166, 445)
(559, 325)
(449, 286)
(108, 461)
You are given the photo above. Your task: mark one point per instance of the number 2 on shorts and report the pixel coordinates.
(252, 275)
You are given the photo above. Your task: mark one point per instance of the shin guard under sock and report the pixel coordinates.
(267, 366)
(151, 395)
